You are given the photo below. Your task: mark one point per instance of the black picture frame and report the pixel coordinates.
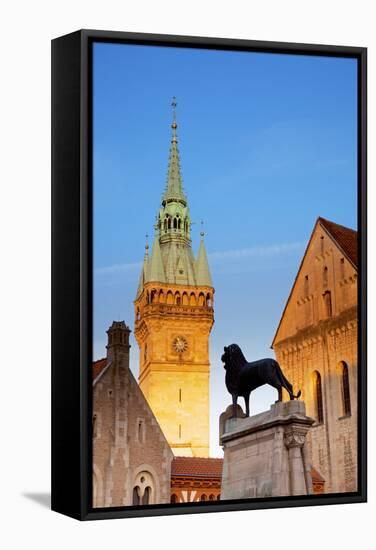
(72, 272)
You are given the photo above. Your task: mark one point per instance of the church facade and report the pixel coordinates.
(316, 345)
(173, 320)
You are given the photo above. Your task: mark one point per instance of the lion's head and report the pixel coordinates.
(233, 357)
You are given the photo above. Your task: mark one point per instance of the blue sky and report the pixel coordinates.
(267, 144)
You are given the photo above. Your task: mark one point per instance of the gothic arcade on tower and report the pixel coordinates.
(173, 320)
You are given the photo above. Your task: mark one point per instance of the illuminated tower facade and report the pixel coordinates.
(173, 320)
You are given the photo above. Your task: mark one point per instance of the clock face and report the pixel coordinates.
(180, 344)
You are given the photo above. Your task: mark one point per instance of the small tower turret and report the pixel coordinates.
(118, 341)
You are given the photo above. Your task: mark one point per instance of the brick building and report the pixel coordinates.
(131, 457)
(316, 345)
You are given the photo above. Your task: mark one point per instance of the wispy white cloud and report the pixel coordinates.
(256, 251)
(133, 266)
(266, 251)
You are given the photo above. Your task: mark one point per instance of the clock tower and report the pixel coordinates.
(173, 320)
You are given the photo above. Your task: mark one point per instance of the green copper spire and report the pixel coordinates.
(172, 260)
(174, 189)
(203, 277)
(156, 269)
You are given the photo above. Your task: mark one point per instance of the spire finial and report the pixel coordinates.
(146, 244)
(174, 125)
(202, 233)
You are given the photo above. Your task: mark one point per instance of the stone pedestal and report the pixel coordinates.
(266, 455)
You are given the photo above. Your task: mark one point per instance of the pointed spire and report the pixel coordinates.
(203, 277)
(156, 269)
(174, 187)
(144, 269)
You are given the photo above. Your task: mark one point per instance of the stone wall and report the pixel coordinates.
(266, 455)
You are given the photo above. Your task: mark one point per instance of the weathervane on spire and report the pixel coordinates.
(174, 105)
(202, 233)
(146, 243)
(174, 125)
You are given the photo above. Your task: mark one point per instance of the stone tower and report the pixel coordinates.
(173, 320)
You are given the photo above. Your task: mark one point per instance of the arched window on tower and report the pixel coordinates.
(165, 224)
(169, 223)
(175, 223)
(345, 386)
(145, 353)
(317, 396)
(179, 223)
(327, 296)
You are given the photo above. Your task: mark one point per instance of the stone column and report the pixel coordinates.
(278, 488)
(294, 439)
(307, 469)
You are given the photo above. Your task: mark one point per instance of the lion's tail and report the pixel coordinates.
(288, 386)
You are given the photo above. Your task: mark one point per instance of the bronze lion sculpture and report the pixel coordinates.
(243, 377)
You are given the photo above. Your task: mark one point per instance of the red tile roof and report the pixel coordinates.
(346, 238)
(98, 366)
(195, 466)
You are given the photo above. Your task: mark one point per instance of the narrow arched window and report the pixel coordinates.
(327, 296)
(169, 223)
(174, 498)
(322, 245)
(203, 497)
(146, 497)
(179, 223)
(325, 276)
(346, 403)
(175, 223)
(306, 286)
(342, 264)
(136, 496)
(211, 497)
(145, 353)
(317, 397)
